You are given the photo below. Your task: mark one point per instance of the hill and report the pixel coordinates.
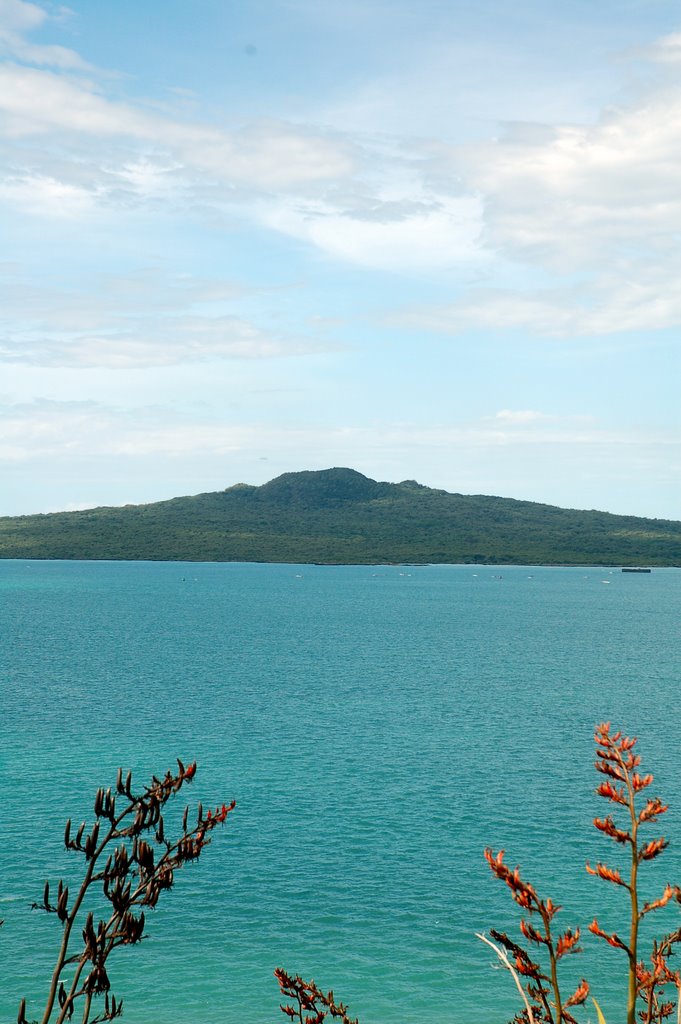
(340, 516)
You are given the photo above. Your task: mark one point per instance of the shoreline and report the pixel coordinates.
(627, 568)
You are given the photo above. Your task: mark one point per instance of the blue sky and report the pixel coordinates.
(434, 241)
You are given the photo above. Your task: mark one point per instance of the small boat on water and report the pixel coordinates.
(634, 569)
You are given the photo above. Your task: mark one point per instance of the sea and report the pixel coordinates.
(378, 727)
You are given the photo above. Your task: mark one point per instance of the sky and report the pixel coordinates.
(425, 239)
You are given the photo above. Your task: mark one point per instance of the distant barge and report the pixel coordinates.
(632, 569)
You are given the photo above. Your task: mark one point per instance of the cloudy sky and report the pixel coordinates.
(426, 239)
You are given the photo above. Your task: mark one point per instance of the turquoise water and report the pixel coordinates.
(377, 726)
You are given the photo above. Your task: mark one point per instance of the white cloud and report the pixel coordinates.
(628, 295)
(667, 49)
(96, 300)
(587, 193)
(436, 233)
(173, 340)
(44, 428)
(264, 155)
(68, 430)
(519, 416)
(41, 427)
(597, 208)
(18, 18)
(363, 201)
(150, 179)
(39, 194)
(146, 318)
(359, 202)
(600, 201)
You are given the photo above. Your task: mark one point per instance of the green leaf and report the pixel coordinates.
(601, 1018)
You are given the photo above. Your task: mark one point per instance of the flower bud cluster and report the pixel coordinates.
(131, 860)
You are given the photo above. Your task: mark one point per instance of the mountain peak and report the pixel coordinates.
(321, 486)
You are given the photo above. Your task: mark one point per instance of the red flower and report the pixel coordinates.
(608, 826)
(611, 792)
(652, 809)
(609, 874)
(531, 933)
(567, 943)
(612, 940)
(670, 890)
(653, 848)
(579, 995)
(640, 782)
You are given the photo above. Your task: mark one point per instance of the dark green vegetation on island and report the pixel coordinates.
(339, 516)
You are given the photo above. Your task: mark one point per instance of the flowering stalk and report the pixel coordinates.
(307, 1004)
(129, 856)
(651, 981)
(547, 1004)
(617, 761)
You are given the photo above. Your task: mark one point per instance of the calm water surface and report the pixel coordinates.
(377, 726)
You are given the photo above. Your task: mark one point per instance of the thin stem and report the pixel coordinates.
(633, 893)
(73, 992)
(86, 1009)
(554, 965)
(649, 1009)
(507, 963)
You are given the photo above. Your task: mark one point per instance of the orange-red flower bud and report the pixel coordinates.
(531, 933)
(579, 995)
(607, 825)
(669, 892)
(613, 940)
(610, 792)
(527, 968)
(607, 769)
(567, 943)
(653, 848)
(609, 874)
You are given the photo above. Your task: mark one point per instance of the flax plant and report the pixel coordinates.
(615, 758)
(130, 861)
(306, 1003)
(646, 985)
(546, 1002)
